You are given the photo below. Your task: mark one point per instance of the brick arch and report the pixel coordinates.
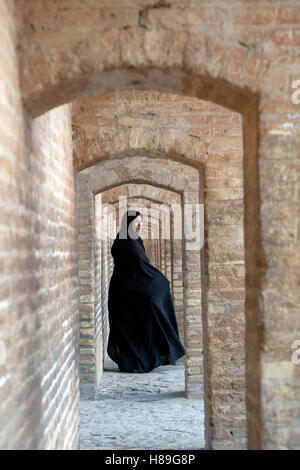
(139, 198)
(152, 194)
(127, 142)
(176, 277)
(56, 81)
(159, 250)
(93, 181)
(103, 269)
(130, 142)
(111, 176)
(141, 192)
(142, 170)
(140, 48)
(144, 191)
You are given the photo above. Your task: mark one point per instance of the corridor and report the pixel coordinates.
(189, 113)
(141, 412)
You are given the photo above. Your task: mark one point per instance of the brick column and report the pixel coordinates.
(86, 223)
(177, 290)
(192, 309)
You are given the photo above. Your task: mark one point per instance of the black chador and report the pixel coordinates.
(143, 329)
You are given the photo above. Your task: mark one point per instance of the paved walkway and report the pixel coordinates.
(141, 412)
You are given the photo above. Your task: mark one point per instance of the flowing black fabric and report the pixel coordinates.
(143, 329)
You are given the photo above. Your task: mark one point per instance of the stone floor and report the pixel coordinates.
(142, 412)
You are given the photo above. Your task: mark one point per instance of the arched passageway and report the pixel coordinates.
(38, 143)
(134, 411)
(139, 141)
(96, 179)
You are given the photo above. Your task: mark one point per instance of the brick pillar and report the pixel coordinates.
(98, 254)
(86, 223)
(161, 247)
(168, 267)
(177, 290)
(192, 309)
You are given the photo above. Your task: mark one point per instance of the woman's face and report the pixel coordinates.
(136, 225)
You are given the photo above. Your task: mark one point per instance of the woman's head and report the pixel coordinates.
(137, 224)
(131, 225)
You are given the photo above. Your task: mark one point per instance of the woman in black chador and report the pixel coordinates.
(143, 329)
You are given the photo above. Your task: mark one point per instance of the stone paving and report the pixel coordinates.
(142, 412)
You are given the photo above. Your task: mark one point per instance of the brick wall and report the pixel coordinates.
(39, 399)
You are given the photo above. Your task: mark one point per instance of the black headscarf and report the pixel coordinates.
(126, 231)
